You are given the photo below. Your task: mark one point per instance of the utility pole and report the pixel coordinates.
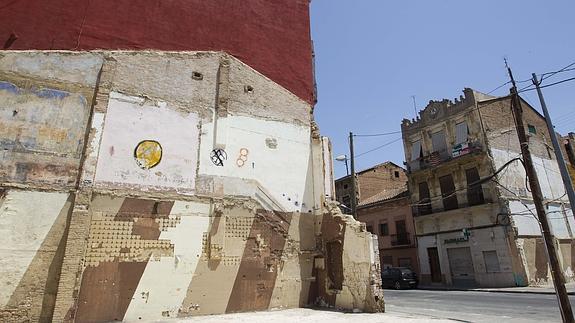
(558, 280)
(353, 182)
(558, 155)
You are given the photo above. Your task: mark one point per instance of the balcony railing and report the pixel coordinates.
(400, 239)
(438, 157)
(474, 196)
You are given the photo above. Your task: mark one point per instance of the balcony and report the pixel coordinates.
(474, 196)
(400, 239)
(438, 157)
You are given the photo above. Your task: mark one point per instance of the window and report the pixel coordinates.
(400, 227)
(532, 129)
(345, 186)
(383, 229)
(424, 204)
(396, 173)
(401, 236)
(461, 133)
(438, 141)
(416, 151)
(448, 192)
(491, 261)
(475, 192)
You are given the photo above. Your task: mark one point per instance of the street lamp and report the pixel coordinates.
(343, 158)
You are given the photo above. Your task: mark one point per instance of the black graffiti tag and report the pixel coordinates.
(218, 156)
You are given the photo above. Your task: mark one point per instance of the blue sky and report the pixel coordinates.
(373, 55)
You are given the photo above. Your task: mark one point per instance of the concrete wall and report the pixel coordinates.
(187, 168)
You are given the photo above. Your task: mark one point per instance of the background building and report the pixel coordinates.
(370, 181)
(388, 215)
(482, 234)
(384, 206)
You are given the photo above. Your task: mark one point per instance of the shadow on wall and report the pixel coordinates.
(39, 284)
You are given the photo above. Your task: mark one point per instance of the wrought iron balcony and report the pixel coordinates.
(438, 157)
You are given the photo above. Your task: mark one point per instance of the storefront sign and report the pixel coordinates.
(465, 237)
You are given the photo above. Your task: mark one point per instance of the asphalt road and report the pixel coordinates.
(469, 306)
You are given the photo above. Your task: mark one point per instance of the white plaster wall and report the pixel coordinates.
(282, 171)
(130, 120)
(513, 177)
(527, 224)
(26, 217)
(163, 285)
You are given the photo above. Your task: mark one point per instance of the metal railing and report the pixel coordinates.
(438, 157)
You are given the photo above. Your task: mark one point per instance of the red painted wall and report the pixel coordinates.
(272, 36)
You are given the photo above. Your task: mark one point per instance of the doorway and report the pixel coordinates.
(434, 266)
(461, 264)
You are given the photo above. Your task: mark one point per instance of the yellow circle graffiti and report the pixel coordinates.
(148, 154)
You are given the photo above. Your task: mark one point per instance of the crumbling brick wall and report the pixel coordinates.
(173, 177)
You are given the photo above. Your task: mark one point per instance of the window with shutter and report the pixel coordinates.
(424, 204)
(461, 132)
(416, 151)
(438, 141)
(474, 192)
(448, 192)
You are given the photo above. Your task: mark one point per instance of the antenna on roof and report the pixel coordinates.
(414, 106)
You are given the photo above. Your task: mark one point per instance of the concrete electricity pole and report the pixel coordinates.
(558, 280)
(353, 182)
(558, 155)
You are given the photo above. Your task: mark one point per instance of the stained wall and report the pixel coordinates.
(189, 168)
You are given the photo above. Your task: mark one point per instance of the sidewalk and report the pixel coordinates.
(304, 315)
(547, 289)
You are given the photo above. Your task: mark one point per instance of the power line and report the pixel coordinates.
(543, 76)
(508, 82)
(378, 147)
(377, 134)
(500, 86)
(564, 69)
(548, 85)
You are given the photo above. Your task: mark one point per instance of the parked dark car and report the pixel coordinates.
(399, 277)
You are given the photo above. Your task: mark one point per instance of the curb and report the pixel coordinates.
(542, 292)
